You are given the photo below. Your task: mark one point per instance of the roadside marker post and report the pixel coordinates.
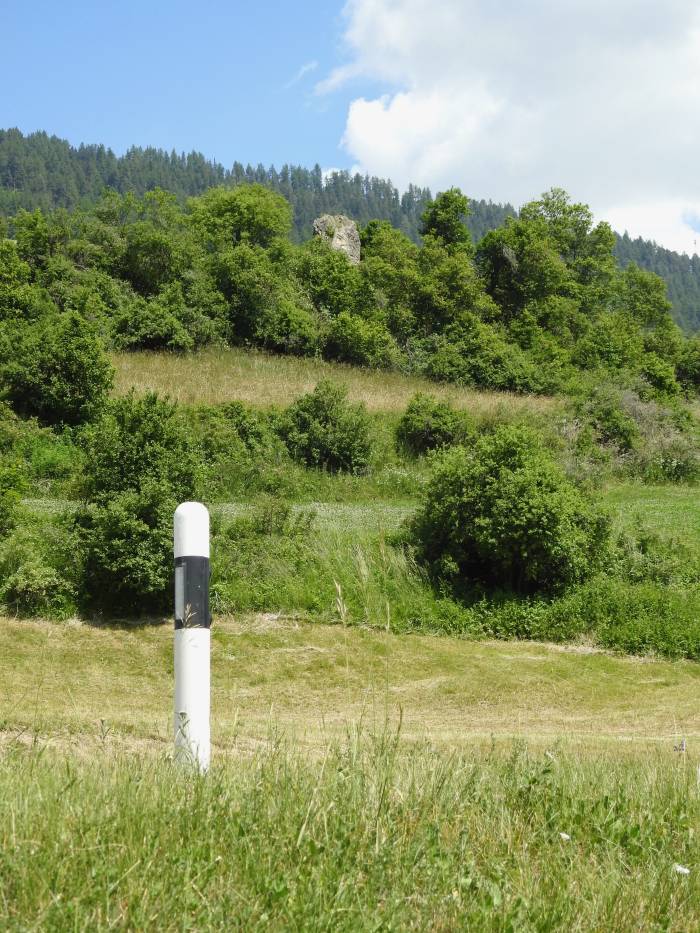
(192, 635)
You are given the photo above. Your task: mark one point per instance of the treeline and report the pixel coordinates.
(681, 273)
(540, 304)
(41, 171)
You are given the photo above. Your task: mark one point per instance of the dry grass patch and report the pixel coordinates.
(261, 379)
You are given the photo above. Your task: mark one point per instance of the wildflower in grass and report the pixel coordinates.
(681, 869)
(565, 836)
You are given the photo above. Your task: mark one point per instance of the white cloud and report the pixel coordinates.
(507, 99)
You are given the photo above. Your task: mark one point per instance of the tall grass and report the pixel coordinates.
(262, 379)
(368, 835)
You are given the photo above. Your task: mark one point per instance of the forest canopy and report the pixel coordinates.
(538, 305)
(41, 171)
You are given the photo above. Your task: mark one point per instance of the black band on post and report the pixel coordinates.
(192, 592)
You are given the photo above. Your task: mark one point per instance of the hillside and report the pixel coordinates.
(47, 172)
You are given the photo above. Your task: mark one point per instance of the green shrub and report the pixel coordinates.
(37, 589)
(613, 424)
(688, 366)
(240, 448)
(428, 424)
(38, 567)
(286, 327)
(126, 544)
(139, 439)
(472, 353)
(353, 339)
(140, 463)
(660, 375)
(322, 429)
(12, 484)
(641, 438)
(57, 370)
(150, 325)
(503, 513)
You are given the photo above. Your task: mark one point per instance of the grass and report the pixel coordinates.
(360, 781)
(371, 836)
(273, 557)
(70, 682)
(261, 380)
(672, 511)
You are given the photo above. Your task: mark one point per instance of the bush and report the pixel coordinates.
(140, 463)
(353, 339)
(150, 325)
(127, 550)
(38, 568)
(57, 370)
(139, 439)
(472, 353)
(323, 429)
(648, 440)
(604, 410)
(12, 484)
(428, 424)
(503, 513)
(286, 327)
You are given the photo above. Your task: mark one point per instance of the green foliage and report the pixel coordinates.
(37, 568)
(352, 339)
(152, 257)
(126, 549)
(139, 439)
(17, 296)
(139, 464)
(331, 282)
(503, 513)
(322, 429)
(286, 327)
(471, 353)
(612, 422)
(247, 213)
(56, 370)
(645, 438)
(38, 171)
(688, 367)
(444, 218)
(12, 484)
(428, 424)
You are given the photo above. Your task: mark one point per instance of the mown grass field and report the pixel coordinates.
(69, 682)
(360, 781)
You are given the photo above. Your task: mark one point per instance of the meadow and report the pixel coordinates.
(385, 755)
(263, 379)
(361, 780)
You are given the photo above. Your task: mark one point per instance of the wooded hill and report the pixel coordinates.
(538, 306)
(42, 171)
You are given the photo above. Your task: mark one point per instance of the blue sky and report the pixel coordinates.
(212, 76)
(503, 98)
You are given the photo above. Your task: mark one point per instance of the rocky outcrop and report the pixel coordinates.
(341, 233)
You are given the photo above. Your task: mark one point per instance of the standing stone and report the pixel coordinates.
(341, 233)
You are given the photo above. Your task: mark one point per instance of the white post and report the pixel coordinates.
(192, 635)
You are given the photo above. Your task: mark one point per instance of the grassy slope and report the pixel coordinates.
(341, 827)
(261, 379)
(62, 680)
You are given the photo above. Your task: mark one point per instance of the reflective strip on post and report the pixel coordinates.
(192, 635)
